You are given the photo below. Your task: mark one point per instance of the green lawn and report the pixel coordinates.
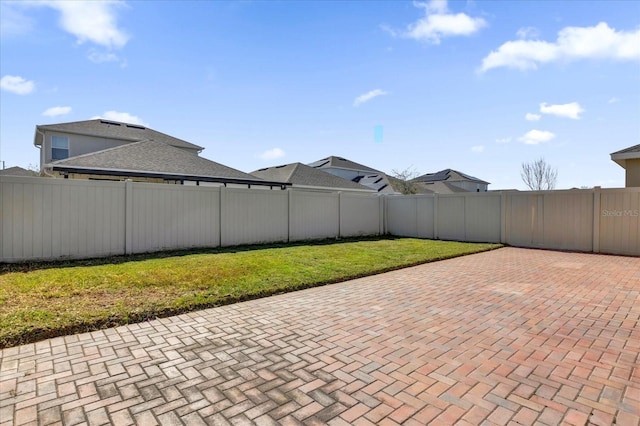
(45, 300)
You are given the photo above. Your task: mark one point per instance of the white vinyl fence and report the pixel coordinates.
(44, 218)
(599, 220)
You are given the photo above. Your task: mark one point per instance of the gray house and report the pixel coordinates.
(304, 177)
(450, 181)
(109, 150)
(355, 172)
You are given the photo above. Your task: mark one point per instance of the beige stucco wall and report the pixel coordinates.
(633, 172)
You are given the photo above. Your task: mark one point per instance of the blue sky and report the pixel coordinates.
(477, 86)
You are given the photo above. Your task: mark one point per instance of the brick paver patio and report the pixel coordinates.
(512, 336)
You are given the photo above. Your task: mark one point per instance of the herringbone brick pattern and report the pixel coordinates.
(512, 336)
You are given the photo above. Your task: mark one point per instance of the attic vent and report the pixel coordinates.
(378, 180)
(133, 126)
(382, 187)
(262, 170)
(110, 123)
(279, 167)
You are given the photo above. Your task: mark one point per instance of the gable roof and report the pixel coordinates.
(342, 163)
(303, 175)
(17, 171)
(621, 157)
(152, 158)
(115, 130)
(448, 175)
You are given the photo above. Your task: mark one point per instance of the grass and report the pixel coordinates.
(45, 300)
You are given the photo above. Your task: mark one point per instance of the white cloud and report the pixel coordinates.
(100, 57)
(368, 96)
(272, 154)
(477, 148)
(93, 21)
(570, 110)
(123, 117)
(528, 33)
(439, 23)
(613, 100)
(503, 140)
(532, 117)
(57, 110)
(16, 84)
(534, 137)
(573, 43)
(12, 20)
(89, 21)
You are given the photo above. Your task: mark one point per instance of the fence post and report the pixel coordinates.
(435, 217)
(503, 217)
(220, 221)
(128, 216)
(289, 208)
(596, 220)
(340, 214)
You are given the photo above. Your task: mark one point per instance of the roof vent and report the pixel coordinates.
(279, 167)
(134, 126)
(110, 123)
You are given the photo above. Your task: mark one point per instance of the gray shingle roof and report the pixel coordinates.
(17, 171)
(340, 162)
(118, 130)
(635, 148)
(151, 156)
(301, 174)
(448, 175)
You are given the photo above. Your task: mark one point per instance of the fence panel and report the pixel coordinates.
(483, 217)
(425, 205)
(568, 220)
(253, 216)
(313, 215)
(402, 216)
(53, 219)
(451, 214)
(619, 219)
(524, 219)
(174, 216)
(359, 215)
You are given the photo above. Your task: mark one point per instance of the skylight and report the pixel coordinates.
(110, 123)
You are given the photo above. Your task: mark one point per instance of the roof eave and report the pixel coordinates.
(166, 176)
(622, 157)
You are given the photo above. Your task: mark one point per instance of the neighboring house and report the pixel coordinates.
(103, 149)
(358, 173)
(305, 177)
(449, 181)
(17, 171)
(629, 159)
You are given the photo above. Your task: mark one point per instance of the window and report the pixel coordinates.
(59, 147)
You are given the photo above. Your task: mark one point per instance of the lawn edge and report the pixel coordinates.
(36, 335)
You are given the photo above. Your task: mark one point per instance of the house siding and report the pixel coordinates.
(79, 144)
(632, 172)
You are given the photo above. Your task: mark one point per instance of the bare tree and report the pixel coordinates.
(538, 175)
(404, 180)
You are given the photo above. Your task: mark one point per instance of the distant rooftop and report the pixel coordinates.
(303, 175)
(117, 130)
(151, 157)
(448, 175)
(342, 163)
